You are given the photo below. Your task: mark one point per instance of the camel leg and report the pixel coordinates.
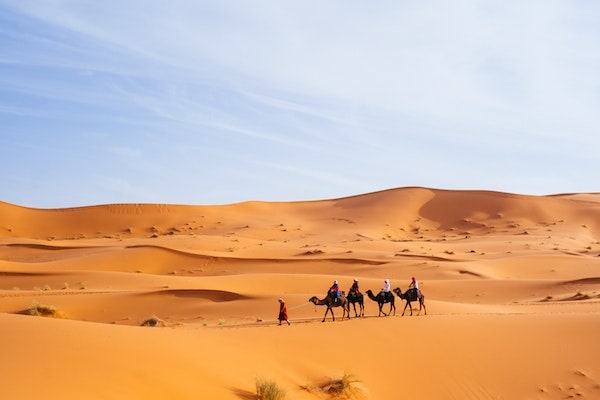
(392, 305)
(326, 311)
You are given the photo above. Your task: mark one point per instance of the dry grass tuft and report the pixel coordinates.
(44, 310)
(268, 390)
(153, 322)
(347, 387)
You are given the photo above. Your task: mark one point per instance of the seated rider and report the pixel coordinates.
(414, 285)
(387, 289)
(334, 291)
(354, 290)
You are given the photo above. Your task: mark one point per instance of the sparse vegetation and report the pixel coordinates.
(153, 321)
(44, 310)
(268, 390)
(313, 252)
(347, 387)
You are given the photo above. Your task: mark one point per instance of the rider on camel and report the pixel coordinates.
(354, 290)
(414, 284)
(387, 289)
(334, 291)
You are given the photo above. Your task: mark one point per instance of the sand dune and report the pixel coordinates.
(511, 284)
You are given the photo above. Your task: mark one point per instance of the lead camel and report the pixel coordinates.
(330, 302)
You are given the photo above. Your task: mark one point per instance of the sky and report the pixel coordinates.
(219, 102)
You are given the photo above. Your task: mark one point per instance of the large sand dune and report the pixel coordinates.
(512, 286)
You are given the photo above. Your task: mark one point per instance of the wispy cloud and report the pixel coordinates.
(352, 89)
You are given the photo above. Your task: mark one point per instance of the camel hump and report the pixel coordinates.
(413, 293)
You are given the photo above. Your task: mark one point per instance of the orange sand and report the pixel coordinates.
(512, 286)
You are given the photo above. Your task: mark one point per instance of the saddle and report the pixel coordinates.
(333, 297)
(352, 295)
(413, 294)
(387, 296)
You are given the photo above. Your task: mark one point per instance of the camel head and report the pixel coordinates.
(369, 293)
(314, 300)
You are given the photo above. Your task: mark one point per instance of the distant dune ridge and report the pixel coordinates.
(511, 282)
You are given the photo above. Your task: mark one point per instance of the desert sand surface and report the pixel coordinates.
(511, 285)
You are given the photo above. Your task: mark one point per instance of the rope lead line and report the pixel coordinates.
(301, 305)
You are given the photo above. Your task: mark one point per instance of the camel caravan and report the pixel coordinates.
(336, 298)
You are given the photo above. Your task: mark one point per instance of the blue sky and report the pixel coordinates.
(197, 102)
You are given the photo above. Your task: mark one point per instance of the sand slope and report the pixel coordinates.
(512, 286)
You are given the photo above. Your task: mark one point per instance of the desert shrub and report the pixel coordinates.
(268, 390)
(44, 310)
(153, 321)
(347, 387)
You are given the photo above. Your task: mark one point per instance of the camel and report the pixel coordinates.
(353, 299)
(330, 303)
(412, 295)
(381, 299)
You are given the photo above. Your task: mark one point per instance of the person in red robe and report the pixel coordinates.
(283, 315)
